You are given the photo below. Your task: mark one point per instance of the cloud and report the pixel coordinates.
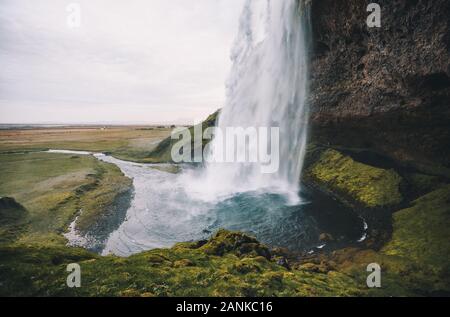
(135, 61)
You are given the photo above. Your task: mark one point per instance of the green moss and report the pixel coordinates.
(162, 153)
(422, 183)
(11, 212)
(241, 244)
(13, 217)
(422, 233)
(130, 143)
(53, 188)
(360, 183)
(184, 270)
(415, 261)
(96, 200)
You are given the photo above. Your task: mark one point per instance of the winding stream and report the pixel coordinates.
(267, 87)
(163, 212)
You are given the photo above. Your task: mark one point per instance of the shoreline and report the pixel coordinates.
(87, 239)
(345, 264)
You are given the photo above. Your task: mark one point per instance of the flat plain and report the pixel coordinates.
(124, 142)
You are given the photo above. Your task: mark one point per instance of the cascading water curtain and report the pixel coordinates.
(267, 87)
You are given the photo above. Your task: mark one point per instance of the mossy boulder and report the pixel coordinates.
(414, 261)
(422, 232)
(422, 183)
(218, 267)
(236, 242)
(11, 212)
(183, 263)
(357, 183)
(13, 218)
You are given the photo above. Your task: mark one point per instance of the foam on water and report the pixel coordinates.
(267, 87)
(163, 212)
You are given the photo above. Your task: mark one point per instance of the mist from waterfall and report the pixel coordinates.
(267, 87)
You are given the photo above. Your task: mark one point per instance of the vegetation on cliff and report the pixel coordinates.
(162, 153)
(384, 89)
(49, 190)
(362, 184)
(12, 218)
(414, 262)
(229, 264)
(414, 259)
(421, 235)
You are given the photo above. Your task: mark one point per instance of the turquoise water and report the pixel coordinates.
(164, 211)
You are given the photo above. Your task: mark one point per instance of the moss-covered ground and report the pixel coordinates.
(229, 264)
(415, 258)
(50, 189)
(362, 184)
(53, 188)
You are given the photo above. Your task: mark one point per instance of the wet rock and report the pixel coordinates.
(283, 262)
(157, 260)
(385, 89)
(310, 267)
(235, 242)
(323, 267)
(278, 251)
(326, 237)
(183, 263)
(255, 249)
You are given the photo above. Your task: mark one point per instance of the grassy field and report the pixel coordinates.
(53, 188)
(414, 255)
(128, 142)
(48, 191)
(229, 264)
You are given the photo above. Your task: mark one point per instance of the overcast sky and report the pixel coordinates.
(136, 61)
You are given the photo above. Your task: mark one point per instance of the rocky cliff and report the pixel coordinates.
(387, 89)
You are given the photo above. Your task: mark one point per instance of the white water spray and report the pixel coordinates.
(267, 87)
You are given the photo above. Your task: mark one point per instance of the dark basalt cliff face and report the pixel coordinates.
(383, 89)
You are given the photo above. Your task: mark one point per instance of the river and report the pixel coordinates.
(163, 212)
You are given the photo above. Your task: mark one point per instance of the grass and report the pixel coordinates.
(162, 152)
(414, 260)
(184, 270)
(427, 218)
(54, 187)
(97, 198)
(50, 189)
(129, 143)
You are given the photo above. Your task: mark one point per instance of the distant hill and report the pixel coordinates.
(162, 153)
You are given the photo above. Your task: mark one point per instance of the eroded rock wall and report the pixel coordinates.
(384, 89)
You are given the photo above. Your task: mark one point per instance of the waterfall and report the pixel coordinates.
(267, 87)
